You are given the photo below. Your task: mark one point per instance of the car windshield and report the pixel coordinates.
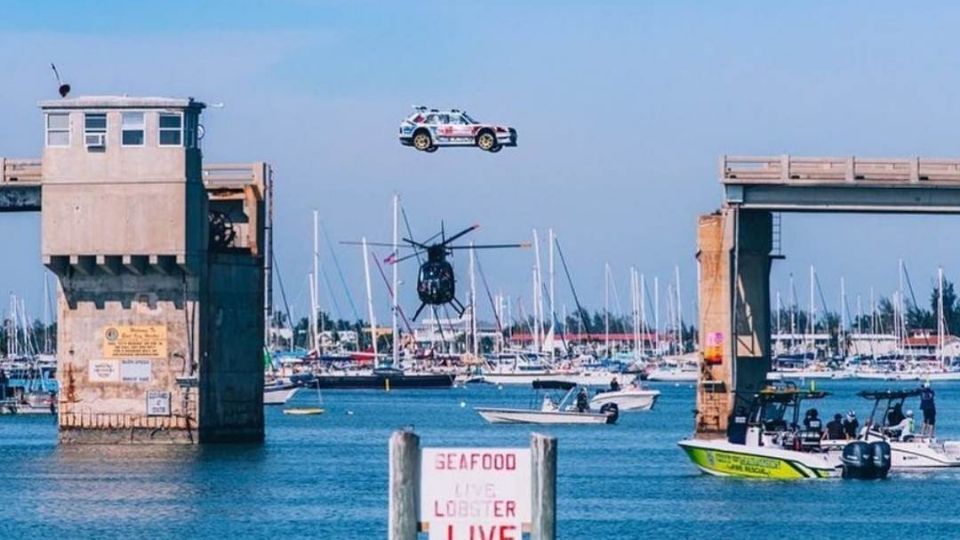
(467, 119)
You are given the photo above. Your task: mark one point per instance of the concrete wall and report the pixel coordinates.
(739, 337)
(89, 306)
(231, 373)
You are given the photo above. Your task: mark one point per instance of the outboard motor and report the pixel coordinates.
(612, 411)
(880, 455)
(866, 461)
(857, 460)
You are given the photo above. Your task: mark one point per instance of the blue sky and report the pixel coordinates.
(622, 108)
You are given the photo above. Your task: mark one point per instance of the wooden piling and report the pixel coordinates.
(543, 457)
(404, 480)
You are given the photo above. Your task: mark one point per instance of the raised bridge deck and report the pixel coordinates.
(841, 184)
(21, 182)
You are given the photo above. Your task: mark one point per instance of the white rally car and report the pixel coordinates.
(428, 129)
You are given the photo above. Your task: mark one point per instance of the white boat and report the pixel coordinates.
(627, 399)
(550, 412)
(917, 452)
(278, 393)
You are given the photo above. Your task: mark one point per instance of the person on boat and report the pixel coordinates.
(583, 404)
(851, 425)
(614, 385)
(904, 429)
(835, 429)
(895, 416)
(737, 427)
(811, 420)
(929, 408)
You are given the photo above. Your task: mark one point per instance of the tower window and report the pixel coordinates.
(132, 134)
(95, 130)
(171, 129)
(58, 129)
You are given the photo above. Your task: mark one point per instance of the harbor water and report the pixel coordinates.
(326, 476)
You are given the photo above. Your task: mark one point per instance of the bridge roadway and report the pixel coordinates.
(21, 182)
(841, 184)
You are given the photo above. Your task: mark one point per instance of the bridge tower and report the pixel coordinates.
(160, 263)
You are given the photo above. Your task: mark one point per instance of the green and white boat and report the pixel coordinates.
(761, 444)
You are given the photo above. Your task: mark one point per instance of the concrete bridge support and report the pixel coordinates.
(161, 268)
(734, 248)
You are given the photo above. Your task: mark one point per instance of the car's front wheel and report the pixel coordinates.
(422, 142)
(487, 141)
(431, 150)
(496, 148)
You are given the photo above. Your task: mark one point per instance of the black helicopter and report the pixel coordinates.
(436, 282)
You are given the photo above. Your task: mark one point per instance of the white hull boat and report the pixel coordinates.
(673, 375)
(551, 412)
(628, 399)
(583, 378)
(526, 416)
(278, 395)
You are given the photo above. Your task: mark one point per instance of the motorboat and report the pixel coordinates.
(631, 398)
(683, 368)
(552, 412)
(278, 392)
(761, 444)
(911, 451)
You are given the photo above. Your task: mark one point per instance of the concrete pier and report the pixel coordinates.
(161, 267)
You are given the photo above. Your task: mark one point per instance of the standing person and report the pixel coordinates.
(929, 408)
(614, 385)
(583, 404)
(851, 425)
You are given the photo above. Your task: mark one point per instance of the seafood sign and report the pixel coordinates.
(475, 493)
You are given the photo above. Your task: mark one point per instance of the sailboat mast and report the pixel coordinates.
(940, 319)
(553, 310)
(842, 341)
(811, 325)
(315, 281)
(656, 315)
(643, 310)
(395, 308)
(473, 305)
(373, 319)
(538, 290)
(676, 272)
(635, 299)
(606, 308)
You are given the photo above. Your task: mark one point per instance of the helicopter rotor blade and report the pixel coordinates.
(492, 246)
(372, 244)
(392, 259)
(415, 244)
(461, 233)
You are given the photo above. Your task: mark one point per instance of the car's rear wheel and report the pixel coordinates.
(486, 141)
(431, 150)
(422, 141)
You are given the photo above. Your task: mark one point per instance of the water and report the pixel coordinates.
(325, 477)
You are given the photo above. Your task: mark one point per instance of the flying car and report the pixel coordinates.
(429, 129)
